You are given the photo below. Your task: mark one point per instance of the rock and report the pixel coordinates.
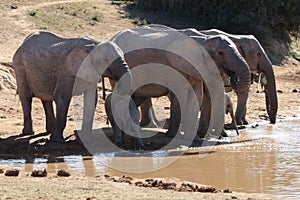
(227, 191)
(1, 171)
(14, 6)
(139, 183)
(63, 173)
(39, 173)
(12, 172)
(279, 91)
(295, 91)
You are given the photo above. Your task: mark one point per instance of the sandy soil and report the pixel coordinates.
(15, 25)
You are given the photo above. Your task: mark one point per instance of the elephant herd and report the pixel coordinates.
(191, 67)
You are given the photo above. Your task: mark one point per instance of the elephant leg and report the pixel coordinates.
(50, 118)
(240, 113)
(147, 114)
(62, 98)
(118, 134)
(205, 115)
(90, 102)
(26, 107)
(26, 101)
(135, 117)
(175, 116)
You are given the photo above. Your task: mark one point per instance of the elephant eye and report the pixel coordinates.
(220, 53)
(258, 54)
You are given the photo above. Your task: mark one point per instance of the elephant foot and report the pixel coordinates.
(223, 133)
(201, 134)
(241, 122)
(148, 124)
(26, 131)
(57, 138)
(245, 122)
(171, 133)
(141, 144)
(229, 126)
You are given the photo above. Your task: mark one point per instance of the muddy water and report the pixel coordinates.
(265, 159)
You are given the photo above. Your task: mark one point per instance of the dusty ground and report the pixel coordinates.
(100, 20)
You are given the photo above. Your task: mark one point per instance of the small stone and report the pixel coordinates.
(63, 173)
(12, 172)
(14, 6)
(257, 91)
(139, 183)
(1, 171)
(171, 187)
(279, 91)
(39, 173)
(295, 91)
(154, 183)
(227, 191)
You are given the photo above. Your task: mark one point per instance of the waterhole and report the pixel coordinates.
(265, 159)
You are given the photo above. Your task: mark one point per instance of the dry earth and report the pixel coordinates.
(100, 20)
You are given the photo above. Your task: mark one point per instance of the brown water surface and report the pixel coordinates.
(265, 159)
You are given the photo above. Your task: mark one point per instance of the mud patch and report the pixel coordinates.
(166, 184)
(63, 173)
(39, 173)
(7, 77)
(12, 172)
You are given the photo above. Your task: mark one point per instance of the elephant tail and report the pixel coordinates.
(104, 96)
(103, 89)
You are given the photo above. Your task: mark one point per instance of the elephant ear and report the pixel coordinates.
(79, 64)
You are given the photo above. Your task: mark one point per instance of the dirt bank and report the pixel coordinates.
(15, 25)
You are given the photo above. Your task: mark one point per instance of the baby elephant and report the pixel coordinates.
(229, 109)
(116, 107)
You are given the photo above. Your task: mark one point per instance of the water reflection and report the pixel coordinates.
(265, 159)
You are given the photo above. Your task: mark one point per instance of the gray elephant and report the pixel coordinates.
(213, 48)
(225, 52)
(121, 120)
(53, 68)
(226, 57)
(229, 110)
(258, 61)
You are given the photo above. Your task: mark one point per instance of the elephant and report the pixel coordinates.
(124, 121)
(226, 54)
(215, 46)
(53, 68)
(241, 94)
(229, 110)
(258, 61)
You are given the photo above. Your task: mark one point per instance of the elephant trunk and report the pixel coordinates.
(241, 87)
(242, 71)
(119, 71)
(270, 92)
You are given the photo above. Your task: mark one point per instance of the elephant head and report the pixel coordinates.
(90, 62)
(229, 61)
(258, 61)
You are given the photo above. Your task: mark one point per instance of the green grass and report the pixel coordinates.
(295, 53)
(67, 16)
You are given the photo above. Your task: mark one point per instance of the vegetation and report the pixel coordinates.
(58, 16)
(279, 19)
